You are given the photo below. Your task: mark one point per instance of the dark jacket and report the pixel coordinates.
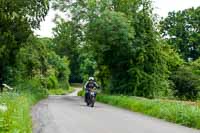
(90, 84)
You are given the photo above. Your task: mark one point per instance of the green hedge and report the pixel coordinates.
(177, 112)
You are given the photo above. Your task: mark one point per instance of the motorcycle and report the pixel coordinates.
(91, 97)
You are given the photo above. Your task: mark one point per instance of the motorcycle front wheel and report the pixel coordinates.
(92, 101)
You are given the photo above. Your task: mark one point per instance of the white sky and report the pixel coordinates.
(162, 7)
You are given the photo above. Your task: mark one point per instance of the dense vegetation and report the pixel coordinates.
(128, 52)
(29, 64)
(118, 42)
(181, 30)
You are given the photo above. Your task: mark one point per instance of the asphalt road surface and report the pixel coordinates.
(68, 114)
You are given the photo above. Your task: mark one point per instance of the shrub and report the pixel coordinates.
(186, 83)
(52, 82)
(33, 87)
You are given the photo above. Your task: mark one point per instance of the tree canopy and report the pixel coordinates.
(182, 30)
(17, 18)
(127, 54)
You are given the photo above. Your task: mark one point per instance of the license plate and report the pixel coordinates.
(92, 93)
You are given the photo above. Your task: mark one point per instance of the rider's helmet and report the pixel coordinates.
(91, 79)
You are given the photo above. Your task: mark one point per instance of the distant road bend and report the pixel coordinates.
(68, 114)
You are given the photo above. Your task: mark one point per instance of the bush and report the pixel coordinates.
(60, 71)
(52, 82)
(186, 83)
(176, 112)
(33, 87)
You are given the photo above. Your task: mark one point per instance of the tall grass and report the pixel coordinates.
(177, 112)
(16, 118)
(15, 107)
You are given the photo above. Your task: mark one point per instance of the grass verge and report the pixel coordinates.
(176, 112)
(15, 112)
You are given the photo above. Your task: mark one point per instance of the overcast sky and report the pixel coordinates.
(162, 7)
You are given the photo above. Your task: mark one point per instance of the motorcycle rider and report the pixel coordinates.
(90, 84)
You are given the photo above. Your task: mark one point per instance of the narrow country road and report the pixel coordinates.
(68, 114)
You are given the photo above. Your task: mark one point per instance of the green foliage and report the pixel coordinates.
(16, 20)
(181, 29)
(17, 116)
(177, 112)
(151, 71)
(113, 40)
(171, 56)
(134, 62)
(32, 11)
(195, 65)
(88, 64)
(186, 81)
(33, 87)
(27, 62)
(52, 82)
(66, 38)
(111, 34)
(122, 46)
(43, 63)
(59, 69)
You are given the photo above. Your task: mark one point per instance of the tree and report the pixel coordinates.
(38, 60)
(66, 39)
(111, 35)
(88, 64)
(16, 20)
(182, 30)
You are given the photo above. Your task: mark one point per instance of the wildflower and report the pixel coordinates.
(3, 108)
(8, 87)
